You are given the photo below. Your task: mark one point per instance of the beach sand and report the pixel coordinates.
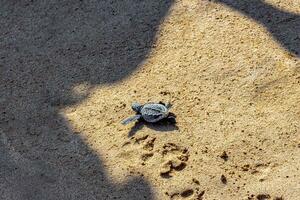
(234, 83)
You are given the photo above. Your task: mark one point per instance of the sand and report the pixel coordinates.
(70, 71)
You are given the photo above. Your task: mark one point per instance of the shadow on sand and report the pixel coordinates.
(49, 47)
(162, 126)
(284, 26)
(46, 49)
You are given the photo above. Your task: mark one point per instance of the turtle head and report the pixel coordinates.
(136, 107)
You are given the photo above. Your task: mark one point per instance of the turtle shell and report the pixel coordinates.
(153, 112)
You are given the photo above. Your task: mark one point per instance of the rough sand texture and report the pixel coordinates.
(70, 70)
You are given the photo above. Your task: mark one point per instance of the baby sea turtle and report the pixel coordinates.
(150, 112)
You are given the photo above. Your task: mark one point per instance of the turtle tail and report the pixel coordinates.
(131, 119)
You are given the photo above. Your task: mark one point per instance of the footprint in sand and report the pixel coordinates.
(187, 193)
(175, 159)
(144, 144)
(146, 141)
(264, 197)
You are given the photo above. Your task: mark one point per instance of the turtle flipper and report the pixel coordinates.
(131, 119)
(168, 105)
